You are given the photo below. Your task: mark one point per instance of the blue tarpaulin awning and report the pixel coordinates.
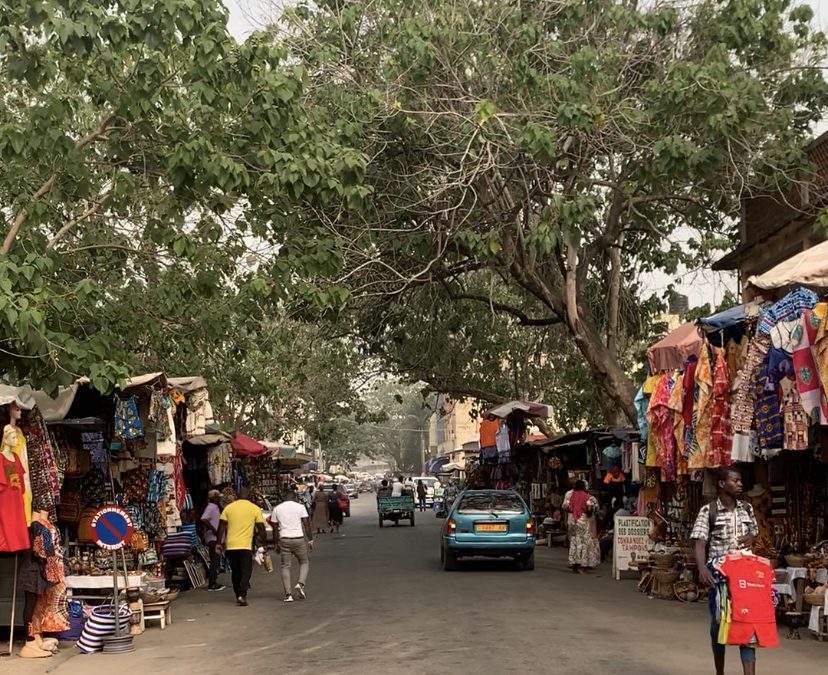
(434, 465)
(730, 323)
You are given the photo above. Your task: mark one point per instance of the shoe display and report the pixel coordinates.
(300, 590)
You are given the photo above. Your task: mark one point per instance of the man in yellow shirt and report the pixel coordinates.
(239, 521)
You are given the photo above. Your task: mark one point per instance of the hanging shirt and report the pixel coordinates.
(14, 532)
(750, 586)
(788, 308)
(488, 433)
(722, 431)
(808, 379)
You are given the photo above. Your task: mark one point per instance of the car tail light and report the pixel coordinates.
(452, 526)
(530, 526)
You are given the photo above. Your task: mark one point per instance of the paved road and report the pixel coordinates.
(378, 602)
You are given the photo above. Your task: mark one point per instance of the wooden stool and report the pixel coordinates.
(158, 611)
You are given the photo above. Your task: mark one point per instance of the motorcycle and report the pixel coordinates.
(439, 507)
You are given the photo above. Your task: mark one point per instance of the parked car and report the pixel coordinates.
(352, 490)
(429, 482)
(490, 523)
(328, 487)
(366, 486)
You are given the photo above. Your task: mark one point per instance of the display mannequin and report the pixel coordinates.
(15, 413)
(14, 533)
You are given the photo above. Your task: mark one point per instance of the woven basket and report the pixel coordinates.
(664, 561)
(814, 599)
(666, 577)
(688, 588)
(795, 560)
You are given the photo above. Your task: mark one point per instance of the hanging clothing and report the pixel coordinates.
(199, 413)
(488, 433)
(795, 421)
(787, 309)
(744, 402)
(722, 430)
(808, 379)
(641, 402)
(50, 615)
(819, 342)
(43, 477)
(675, 404)
(219, 458)
(689, 396)
(702, 448)
(768, 414)
(128, 424)
(14, 530)
(661, 429)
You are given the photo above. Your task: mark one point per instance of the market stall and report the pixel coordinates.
(744, 387)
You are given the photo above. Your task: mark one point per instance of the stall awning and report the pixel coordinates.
(527, 408)
(731, 317)
(809, 268)
(52, 409)
(188, 384)
(672, 351)
(245, 446)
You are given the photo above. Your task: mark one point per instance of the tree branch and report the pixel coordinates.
(46, 188)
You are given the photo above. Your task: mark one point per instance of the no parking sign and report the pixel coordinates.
(112, 527)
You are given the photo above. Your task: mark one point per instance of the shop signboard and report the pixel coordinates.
(631, 541)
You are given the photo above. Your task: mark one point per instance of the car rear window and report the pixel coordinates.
(491, 503)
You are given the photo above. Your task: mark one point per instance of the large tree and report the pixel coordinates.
(558, 147)
(136, 137)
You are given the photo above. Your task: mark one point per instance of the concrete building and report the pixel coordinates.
(452, 426)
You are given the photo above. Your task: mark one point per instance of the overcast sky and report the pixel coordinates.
(701, 286)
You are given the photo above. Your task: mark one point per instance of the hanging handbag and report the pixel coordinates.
(140, 541)
(85, 533)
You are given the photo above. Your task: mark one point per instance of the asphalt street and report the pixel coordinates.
(378, 601)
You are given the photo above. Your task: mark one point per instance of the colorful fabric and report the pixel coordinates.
(819, 342)
(675, 405)
(721, 430)
(661, 428)
(42, 473)
(641, 402)
(127, 420)
(768, 414)
(702, 448)
(787, 309)
(795, 421)
(744, 402)
(50, 614)
(690, 397)
(659, 397)
(808, 379)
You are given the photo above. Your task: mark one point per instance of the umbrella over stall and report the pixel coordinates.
(673, 349)
(245, 446)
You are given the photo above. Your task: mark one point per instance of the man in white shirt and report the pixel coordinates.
(293, 537)
(397, 487)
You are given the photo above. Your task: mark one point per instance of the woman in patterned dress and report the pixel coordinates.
(584, 551)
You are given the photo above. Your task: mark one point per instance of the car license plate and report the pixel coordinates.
(490, 527)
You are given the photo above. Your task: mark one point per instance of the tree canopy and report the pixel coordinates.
(536, 158)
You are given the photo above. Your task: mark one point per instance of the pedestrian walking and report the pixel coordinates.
(293, 537)
(321, 521)
(210, 520)
(421, 495)
(240, 521)
(335, 509)
(584, 551)
(726, 525)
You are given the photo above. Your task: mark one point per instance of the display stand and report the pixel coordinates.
(13, 607)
